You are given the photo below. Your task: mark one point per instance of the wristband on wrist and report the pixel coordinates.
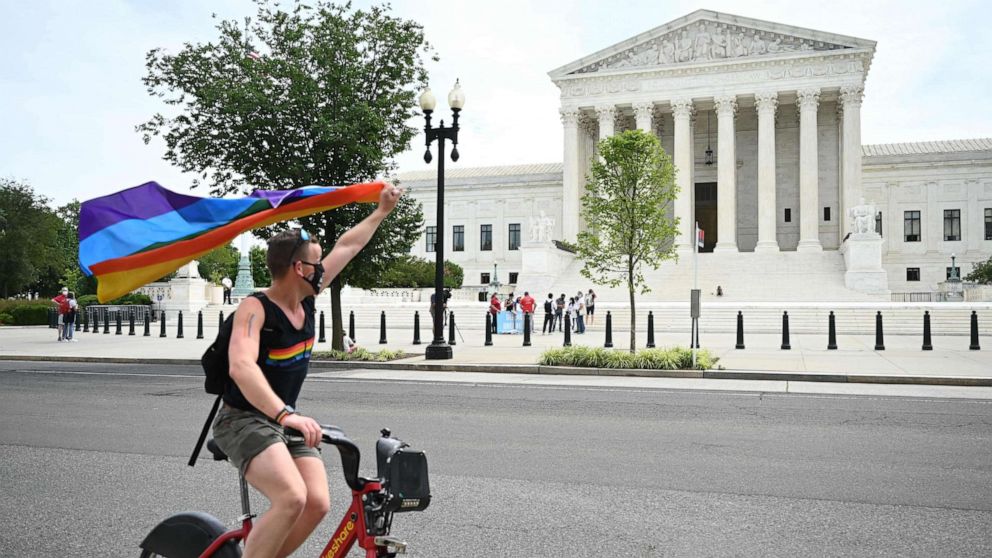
(285, 412)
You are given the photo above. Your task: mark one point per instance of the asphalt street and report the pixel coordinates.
(92, 456)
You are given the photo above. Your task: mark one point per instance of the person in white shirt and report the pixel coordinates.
(590, 306)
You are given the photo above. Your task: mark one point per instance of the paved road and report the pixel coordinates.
(91, 456)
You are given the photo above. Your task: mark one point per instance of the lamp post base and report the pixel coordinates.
(438, 351)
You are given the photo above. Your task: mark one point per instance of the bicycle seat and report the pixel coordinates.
(219, 454)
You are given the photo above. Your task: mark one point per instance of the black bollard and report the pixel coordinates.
(78, 324)
(96, 321)
(740, 330)
(650, 344)
(527, 326)
(568, 332)
(86, 321)
(51, 323)
(106, 324)
(879, 337)
(130, 323)
(148, 331)
(220, 320)
(382, 328)
(351, 326)
(118, 330)
(831, 333)
(323, 337)
(609, 331)
(416, 327)
(489, 330)
(451, 329)
(179, 326)
(199, 324)
(786, 346)
(974, 332)
(927, 344)
(162, 324)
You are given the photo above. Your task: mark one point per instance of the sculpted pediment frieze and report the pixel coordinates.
(706, 41)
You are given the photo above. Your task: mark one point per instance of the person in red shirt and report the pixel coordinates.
(62, 300)
(494, 308)
(527, 304)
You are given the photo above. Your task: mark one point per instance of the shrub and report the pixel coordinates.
(132, 298)
(411, 272)
(6, 319)
(33, 312)
(360, 354)
(675, 358)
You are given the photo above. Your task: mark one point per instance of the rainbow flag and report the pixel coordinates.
(138, 235)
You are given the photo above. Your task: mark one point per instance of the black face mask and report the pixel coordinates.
(318, 276)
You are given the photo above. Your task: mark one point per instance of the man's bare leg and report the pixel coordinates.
(275, 475)
(318, 503)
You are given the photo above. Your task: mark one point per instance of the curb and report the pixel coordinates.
(769, 375)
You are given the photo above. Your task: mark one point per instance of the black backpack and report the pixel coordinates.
(217, 375)
(547, 307)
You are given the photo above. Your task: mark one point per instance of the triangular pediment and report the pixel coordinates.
(705, 36)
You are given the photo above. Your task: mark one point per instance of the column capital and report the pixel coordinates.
(807, 99)
(682, 108)
(588, 124)
(643, 110)
(766, 101)
(851, 95)
(606, 112)
(569, 117)
(725, 105)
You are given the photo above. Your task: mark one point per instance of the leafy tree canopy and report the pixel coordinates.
(311, 94)
(981, 273)
(29, 241)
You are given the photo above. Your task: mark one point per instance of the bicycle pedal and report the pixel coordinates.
(392, 544)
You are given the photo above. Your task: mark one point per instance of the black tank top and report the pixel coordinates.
(283, 354)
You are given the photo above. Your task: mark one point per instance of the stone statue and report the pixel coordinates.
(740, 45)
(758, 45)
(535, 229)
(684, 47)
(862, 218)
(667, 54)
(702, 47)
(189, 271)
(541, 228)
(718, 49)
(547, 226)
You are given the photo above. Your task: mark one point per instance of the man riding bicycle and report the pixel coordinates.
(271, 342)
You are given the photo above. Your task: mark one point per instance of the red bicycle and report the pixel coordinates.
(402, 485)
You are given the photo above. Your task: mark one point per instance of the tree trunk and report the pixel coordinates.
(337, 325)
(633, 313)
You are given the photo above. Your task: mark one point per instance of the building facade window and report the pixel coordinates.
(486, 238)
(878, 223)
(513, 277)
(484, 278)
(826, 213)
(949, 271)
(911, 226)
(788, 215)
(514, 236)
(952, 224)
(458, 238)
(912, 274)
(431, 238)
(988, 223)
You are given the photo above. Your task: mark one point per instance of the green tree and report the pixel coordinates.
(218, 264)
(259, 271)
(29, 241)
(626, 203)
(324, 98)
(981, 272)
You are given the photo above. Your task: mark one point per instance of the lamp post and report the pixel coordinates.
(439, 348)
(954, 269)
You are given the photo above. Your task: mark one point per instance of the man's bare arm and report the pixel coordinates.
(352, 242)
(243, 356)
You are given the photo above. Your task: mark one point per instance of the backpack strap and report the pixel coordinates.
(203, 433)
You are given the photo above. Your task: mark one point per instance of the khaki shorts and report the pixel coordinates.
(244, 434)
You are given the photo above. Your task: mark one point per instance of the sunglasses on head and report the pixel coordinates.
(304, 236)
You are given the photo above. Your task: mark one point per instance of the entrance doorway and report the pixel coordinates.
(706, 214)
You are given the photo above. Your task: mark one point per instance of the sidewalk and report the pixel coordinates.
(903, 361)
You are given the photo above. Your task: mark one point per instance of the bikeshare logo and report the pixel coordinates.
(340, 539)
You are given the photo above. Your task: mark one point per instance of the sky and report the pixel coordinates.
(71, 91)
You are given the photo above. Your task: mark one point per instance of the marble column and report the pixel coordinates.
(643, 116)
(607, 119)
(682, 111)
(571, 177)
(726, 175)
(850, 97)
(766, 103)
(809, 190)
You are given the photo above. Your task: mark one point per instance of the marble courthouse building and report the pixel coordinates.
(763, 123)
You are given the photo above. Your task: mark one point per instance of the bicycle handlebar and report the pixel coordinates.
(350, 454)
